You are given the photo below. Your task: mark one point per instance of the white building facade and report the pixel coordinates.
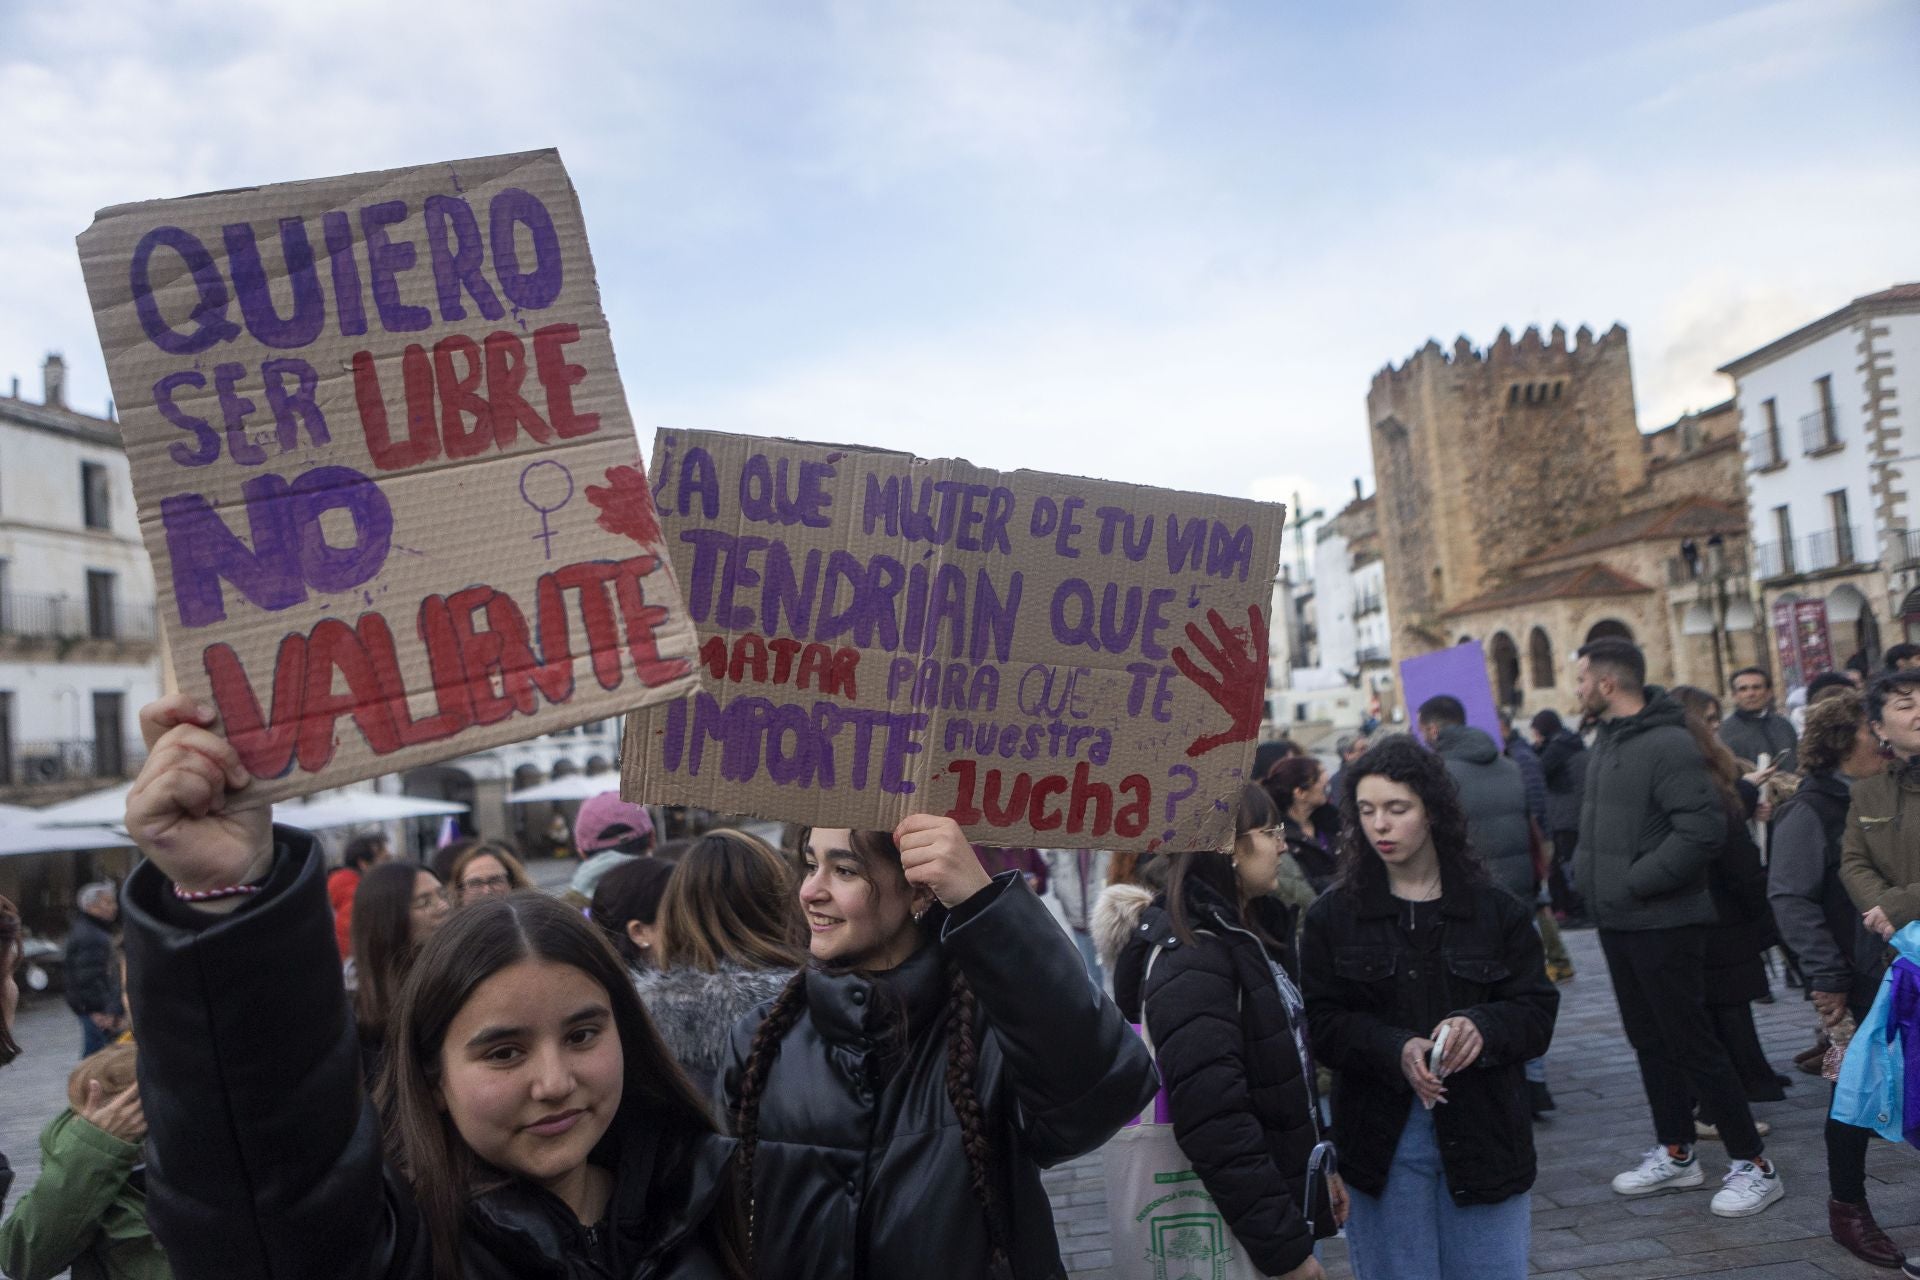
(1830, 416)
(78, 651)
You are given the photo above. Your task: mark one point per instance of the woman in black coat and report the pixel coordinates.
(896, 1103)
(1411, 941)
(1736, 972)
(1229, 1030)
(540, 1128)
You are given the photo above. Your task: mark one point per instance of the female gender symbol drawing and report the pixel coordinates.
(546, 487)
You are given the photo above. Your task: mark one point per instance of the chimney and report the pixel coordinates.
(16, 388)
(56, 375)
(1356, 488)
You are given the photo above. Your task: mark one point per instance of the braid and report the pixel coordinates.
(961, 1065)
(786, 1010)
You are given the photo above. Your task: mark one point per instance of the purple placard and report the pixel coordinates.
(1460, 671)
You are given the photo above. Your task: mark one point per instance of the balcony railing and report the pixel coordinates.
(1828, 549)
(31, 763)
(46, 617)
(1831, 548)
(1371, 653)
(1371, 602)
(1679, 572)
(1763, 449)
(1773, 560)
(1908, 545)
(1818, 432)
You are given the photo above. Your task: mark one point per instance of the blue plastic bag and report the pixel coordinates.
(1872, 1086)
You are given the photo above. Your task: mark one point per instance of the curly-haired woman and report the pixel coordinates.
(1426, 993)
(1842, 961)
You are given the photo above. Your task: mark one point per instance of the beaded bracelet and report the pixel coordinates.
(209, 895)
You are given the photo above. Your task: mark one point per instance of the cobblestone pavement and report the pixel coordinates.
(1581, 1230)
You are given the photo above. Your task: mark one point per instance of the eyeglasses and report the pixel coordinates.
(1278, 833)
(485, 884)
(426, 901)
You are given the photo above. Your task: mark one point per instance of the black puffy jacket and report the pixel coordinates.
(860, 1171)
(1369, 991)
(1563, 758)
(1242, 1104)
(91, 985)
(264, 1159)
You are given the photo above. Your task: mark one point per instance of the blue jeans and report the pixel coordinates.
(1416, 1232)
(92, 1038)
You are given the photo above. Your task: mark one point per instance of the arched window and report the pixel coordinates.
(1610, 629)
(1505, 657)
(1540, 658)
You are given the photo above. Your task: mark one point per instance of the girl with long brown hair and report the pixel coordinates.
(1736, 973)
(1230, 1030)
(397, 906)
(539, 1127)
(896, 1102)
(729, 938)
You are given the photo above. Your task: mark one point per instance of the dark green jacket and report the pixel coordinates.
(83, 1212)
(1650, 823)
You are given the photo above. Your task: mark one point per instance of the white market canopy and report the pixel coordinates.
(335, 809)
(16, 839)
(106, 808)
(353, 808)
(575, 786)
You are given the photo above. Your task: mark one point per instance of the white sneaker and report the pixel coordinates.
(1659, 1171)
(1747, 1190)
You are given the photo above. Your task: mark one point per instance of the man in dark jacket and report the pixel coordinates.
(1492, 791)
(1755, 729)
(1563, 759)
(93, 990)
(1650, 823)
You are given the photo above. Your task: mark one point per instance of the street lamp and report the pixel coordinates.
(1714, 569)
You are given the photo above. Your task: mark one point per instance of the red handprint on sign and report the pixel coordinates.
(1240, 659)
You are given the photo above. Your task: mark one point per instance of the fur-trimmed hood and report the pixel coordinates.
(695, 1011)
(1115, 915)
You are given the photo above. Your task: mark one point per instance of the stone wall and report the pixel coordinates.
(1483, 459)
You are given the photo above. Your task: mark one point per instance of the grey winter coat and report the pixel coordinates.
(695, 1011)
(1749, 735)
(1650, 822)
(1494, 794)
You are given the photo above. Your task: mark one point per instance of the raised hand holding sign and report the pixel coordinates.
(178, 810)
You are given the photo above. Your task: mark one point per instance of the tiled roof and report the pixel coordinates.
(1581, 581)
(1683, 518)
(61, 421)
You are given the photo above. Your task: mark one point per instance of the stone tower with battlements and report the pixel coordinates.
(1482, 459)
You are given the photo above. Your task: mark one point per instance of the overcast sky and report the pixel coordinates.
(1158, 242)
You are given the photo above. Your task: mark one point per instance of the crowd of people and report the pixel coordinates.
(854, 1052)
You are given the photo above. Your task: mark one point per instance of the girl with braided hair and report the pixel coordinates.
(896, 1102)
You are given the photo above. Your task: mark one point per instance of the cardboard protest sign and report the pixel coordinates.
(1049, 660)
(384, 465)
(1461, 671)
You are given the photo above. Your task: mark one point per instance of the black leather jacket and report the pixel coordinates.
(263, 1153)
(1369, 991)
(860, 1171)
(1242, 1104)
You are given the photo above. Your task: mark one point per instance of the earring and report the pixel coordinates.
(916, 915)
(1234, 863)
